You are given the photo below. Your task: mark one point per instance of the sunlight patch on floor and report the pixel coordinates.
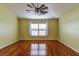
(38, 50)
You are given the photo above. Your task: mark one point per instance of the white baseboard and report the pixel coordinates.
(7, 45)
(68, 46)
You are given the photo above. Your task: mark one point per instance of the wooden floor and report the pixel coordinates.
(22, 48)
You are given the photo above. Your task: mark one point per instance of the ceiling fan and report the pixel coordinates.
(39, 10)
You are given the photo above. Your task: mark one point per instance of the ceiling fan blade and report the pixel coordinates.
(29, 5)
(44, 12)
(41, 6)
(44, 8)
(28, 10)
(33, 5)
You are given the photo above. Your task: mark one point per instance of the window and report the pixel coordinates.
(38, 29)
(34, 29)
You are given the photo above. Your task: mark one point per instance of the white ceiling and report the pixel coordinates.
(55, 10)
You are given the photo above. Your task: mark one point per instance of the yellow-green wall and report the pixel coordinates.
(69, 28)
(24, 30)
(8, 27)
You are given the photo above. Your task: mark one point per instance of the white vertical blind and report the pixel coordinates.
(33, 26)
(34, 33)
(42, 33)
(43, 26)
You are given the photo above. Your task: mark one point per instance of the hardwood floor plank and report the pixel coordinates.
(23, 48)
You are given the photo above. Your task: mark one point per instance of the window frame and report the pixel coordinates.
(38, 28)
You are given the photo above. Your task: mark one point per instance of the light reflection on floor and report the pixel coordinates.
(38, 50)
